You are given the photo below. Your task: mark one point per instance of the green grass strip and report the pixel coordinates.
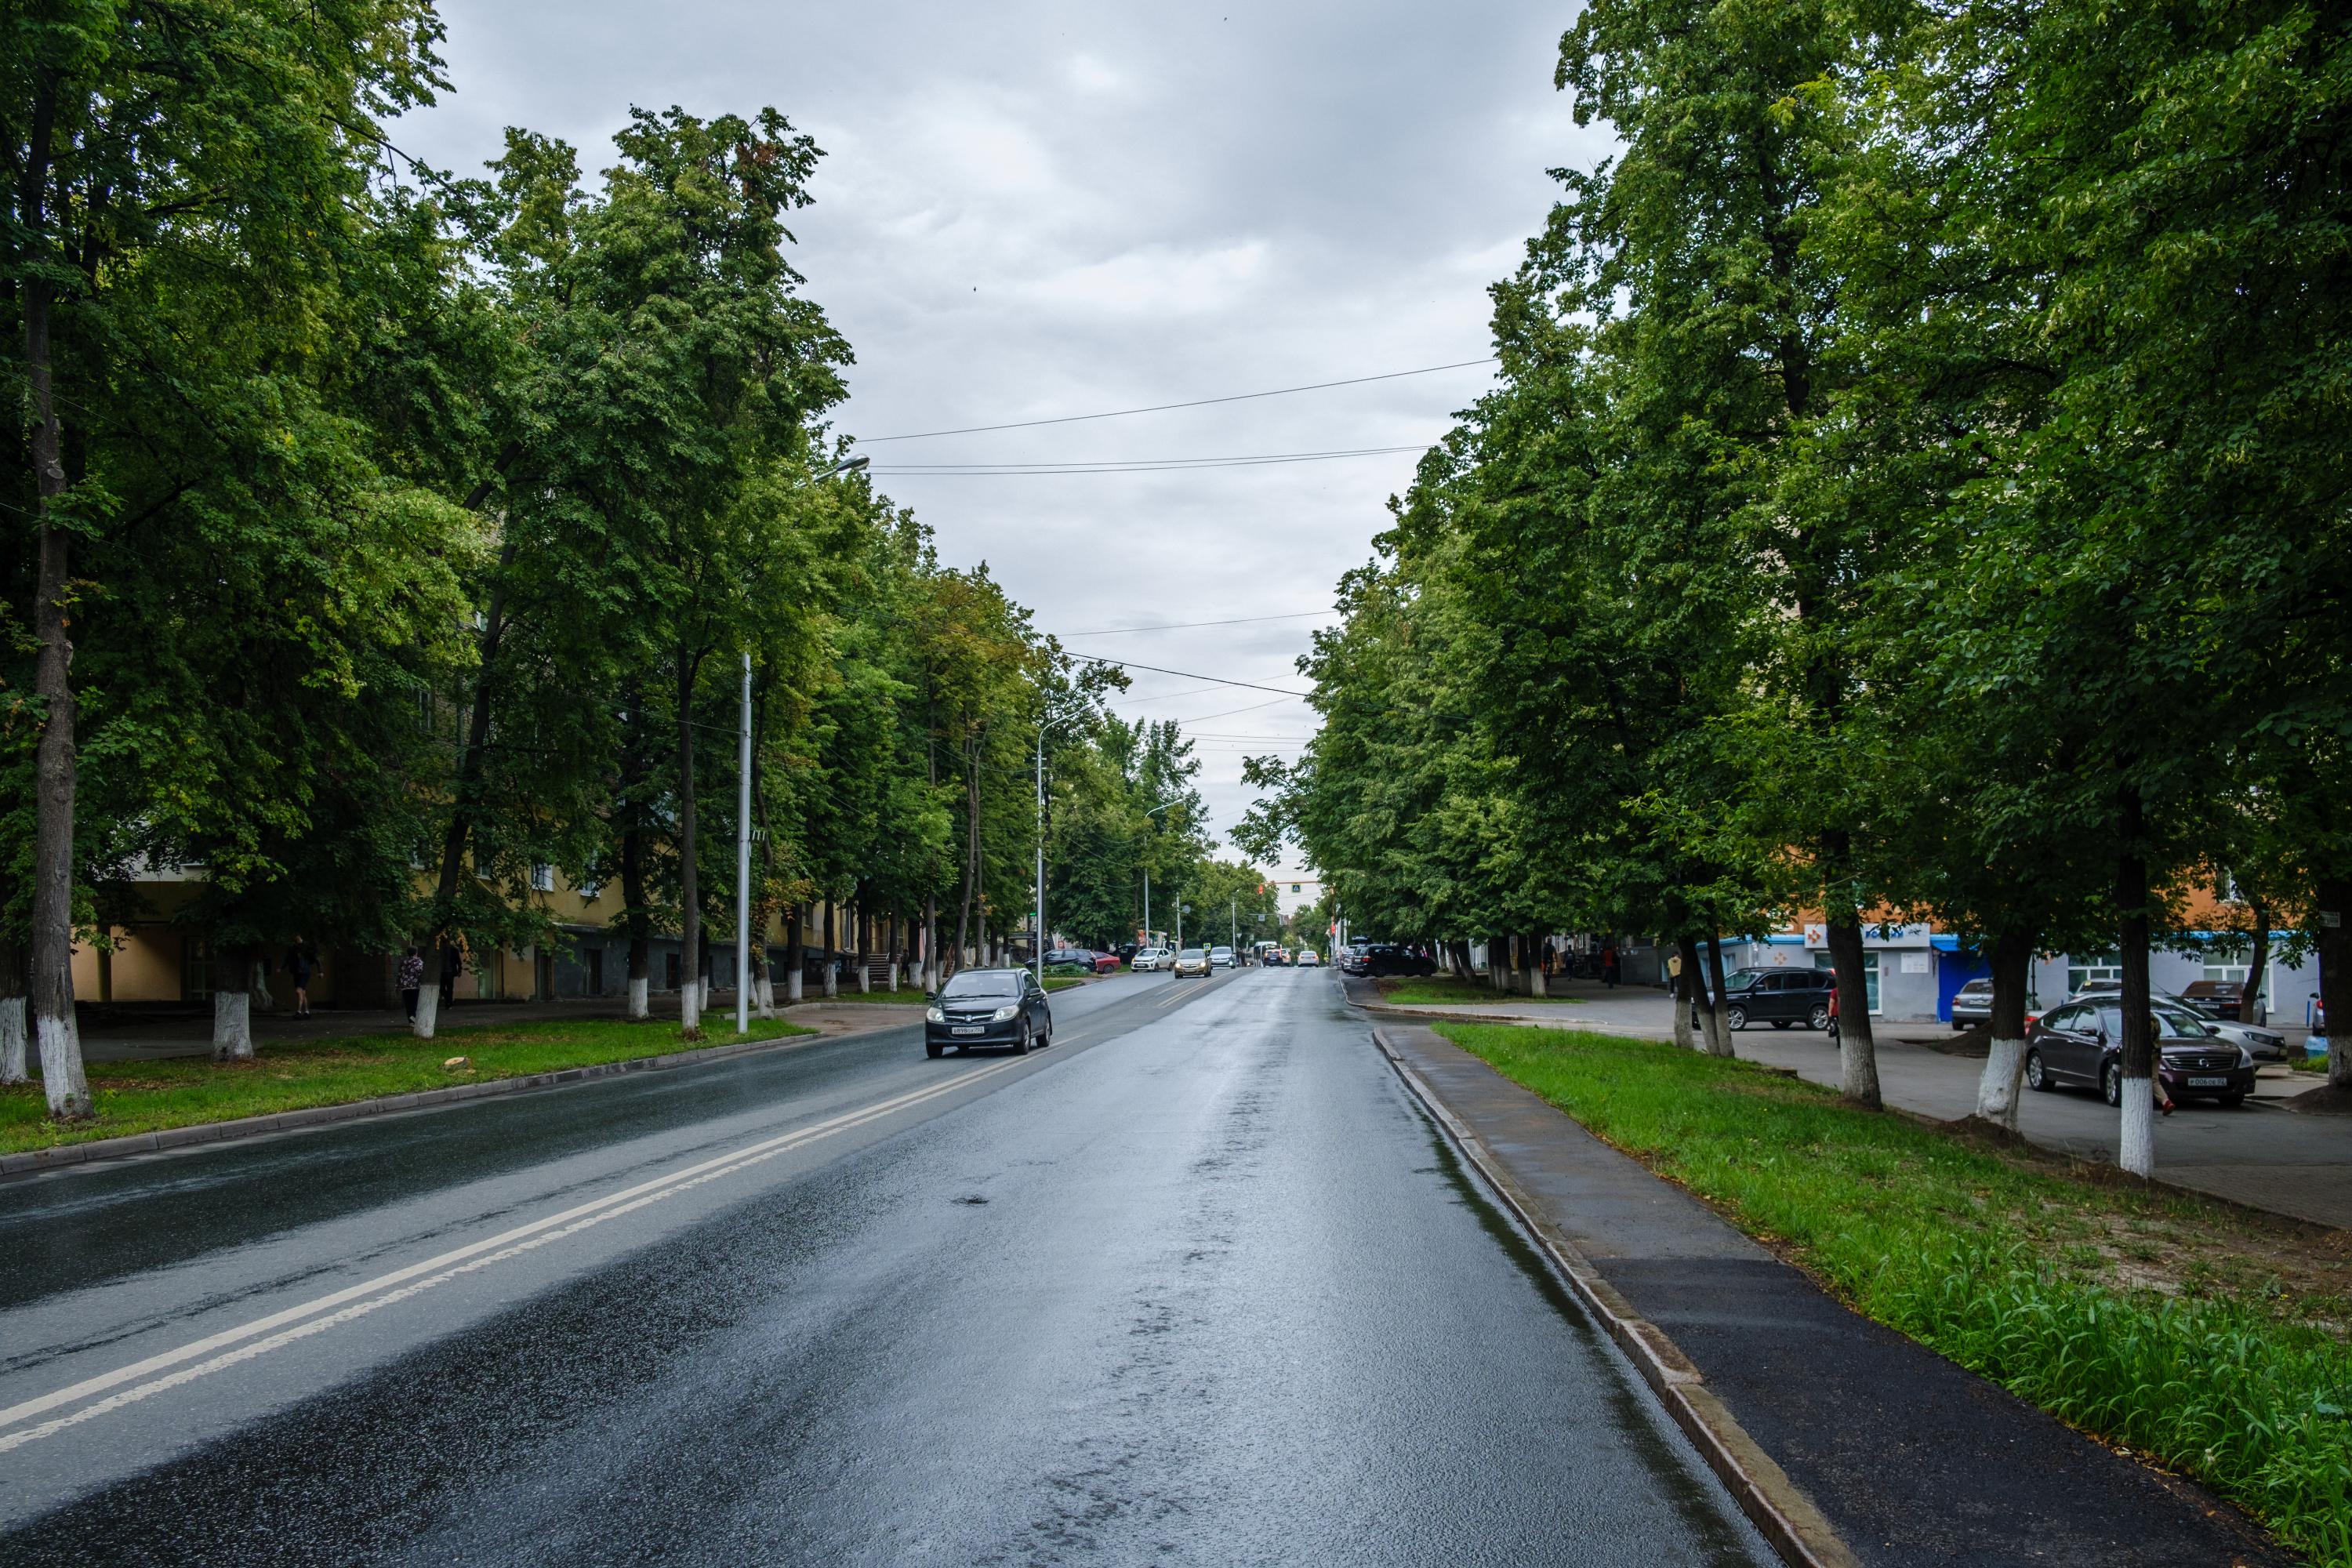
(2009, 1265)
(1450, 991)
(184, 1092)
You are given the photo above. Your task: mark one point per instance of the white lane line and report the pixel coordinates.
(403, 1283)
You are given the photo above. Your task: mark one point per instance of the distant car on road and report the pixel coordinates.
(2080, 1043)
(1001, 1008)
(1780, 997)
(1309, 959)
(1105, 963)
(1148, 959)
(1221, 957)
(1191, 960)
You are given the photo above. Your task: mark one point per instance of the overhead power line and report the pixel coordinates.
(1188, 675)
(1130, 465)
(1188, 625)
(1164, 407)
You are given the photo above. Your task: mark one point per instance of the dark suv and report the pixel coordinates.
(1780, 997)
(1383, 958)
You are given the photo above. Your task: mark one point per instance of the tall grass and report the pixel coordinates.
(1992, 1262)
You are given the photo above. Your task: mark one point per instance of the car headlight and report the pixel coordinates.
(935, 1016)
(2245, 1058)
(1006, 1014)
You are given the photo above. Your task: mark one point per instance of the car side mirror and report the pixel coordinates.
(2212, 1029)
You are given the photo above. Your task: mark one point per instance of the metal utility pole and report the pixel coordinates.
(743, 862)
(1234, 921)
(1146, 906)
(1037, 947)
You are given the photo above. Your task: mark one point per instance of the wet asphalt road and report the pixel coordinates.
(1198, 1284)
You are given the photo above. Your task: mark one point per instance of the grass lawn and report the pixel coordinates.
(1447, 991)
(181, 1091)
(2208, 1338)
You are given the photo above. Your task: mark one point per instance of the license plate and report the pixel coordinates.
(969, 1029)
(2208, 1083)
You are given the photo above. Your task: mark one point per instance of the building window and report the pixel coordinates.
(542, 878)
(1869, 973)
(2081, 972)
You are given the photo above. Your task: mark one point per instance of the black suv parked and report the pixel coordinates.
(1780, 997)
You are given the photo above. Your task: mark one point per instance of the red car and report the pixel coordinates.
(1106, 963)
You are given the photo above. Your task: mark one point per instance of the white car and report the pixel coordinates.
(1221, 958)
(1149, 958)
(1307, 959)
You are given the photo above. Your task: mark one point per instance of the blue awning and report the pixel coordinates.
(1943, 943)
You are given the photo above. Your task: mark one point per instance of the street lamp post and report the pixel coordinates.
(743, 860)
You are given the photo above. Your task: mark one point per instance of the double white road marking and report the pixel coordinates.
(158, 1373)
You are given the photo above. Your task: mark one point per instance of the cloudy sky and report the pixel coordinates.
(1033, 209)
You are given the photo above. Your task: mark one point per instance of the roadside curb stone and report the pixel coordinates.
(1844, 1440)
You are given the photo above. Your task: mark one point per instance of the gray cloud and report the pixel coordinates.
(1037, 209)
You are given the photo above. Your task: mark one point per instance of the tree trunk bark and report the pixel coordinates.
(232, 1003)
(972, 848)
(1718, 1015)
(2136, 1138)
(633, 895)
(794, 959)
(2250, 1002)
(1687, 990)
(2335, 972)
(2004, 1070)
(832, 960)
(13, 1033)
(54, 1027)
(932, 979)
(863, 926)
(1858, 1052)
(690, 895)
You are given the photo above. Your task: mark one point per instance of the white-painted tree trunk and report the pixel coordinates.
(233, 1026)
(1683, 1036)
(428, 1009)
(689, 1006)
(763, 996)
(62, 1078)
(1538, 982)
(865, 974)
(1718, 1031)
(13, 1067)
(893, 974)
(259, 991)
(793, 982)
(2136, 1145)
(640, 998)
(832, 977)
(1997, 1088)
(702, 994)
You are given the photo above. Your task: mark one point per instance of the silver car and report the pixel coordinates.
(2262, 1043)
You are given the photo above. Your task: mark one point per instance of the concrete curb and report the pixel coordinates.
(68, 1154)
(1778, 1507)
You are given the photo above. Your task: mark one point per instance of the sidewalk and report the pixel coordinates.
(187, 1032)
(2258, 1154)
(1908, 1459)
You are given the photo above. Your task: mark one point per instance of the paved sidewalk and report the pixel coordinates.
(2258, 1154)
(1912, 1460)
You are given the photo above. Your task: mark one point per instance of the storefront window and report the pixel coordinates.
(1869, 973)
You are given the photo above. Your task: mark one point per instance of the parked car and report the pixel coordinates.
(1309, 959)
(1192, 960)
(1106, 963)
(1972, 1003)
(1074, 957)
(1221, 957)
(2221, 999)
(1390, 958)
(2081, 1044)
(2254, 1039)
(1780, 997)
(1148, 959)
(1004, 1008)
(1354, 958)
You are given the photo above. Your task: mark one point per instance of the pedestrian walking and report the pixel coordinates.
(410, 980)
(301, 962)
(1609, 965)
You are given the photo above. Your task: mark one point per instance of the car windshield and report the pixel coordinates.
(1742, 979)
(1189, 952)
(976, 983)
(2172, 1024)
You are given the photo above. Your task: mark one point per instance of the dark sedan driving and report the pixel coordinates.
(996, 1009)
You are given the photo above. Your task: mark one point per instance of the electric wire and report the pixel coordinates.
(1186, 674)
(1129, 466)
(1164, 407)
(1188, 625)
